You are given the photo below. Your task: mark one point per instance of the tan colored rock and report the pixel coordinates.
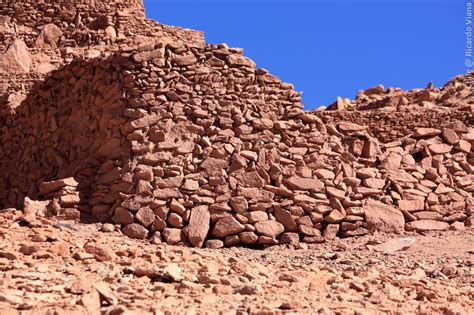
(306, 184)
(270, 228)
(284, 217)
(309, 231)
(16, 59)
(123, 216)
(374, 183)
(426, 132)
(49, 187)
(379, 89)
(49, 36)
(149, 55)
(394, 245)
(411, 205)
(440, 148)
(145, 216)
(334, 217)
(135, 230)
(464, 146)
(330, 231)
(382, 217)
(227, 226)
(324, 174)
(37, 208)
(199, 224)
(248, 238)
(450, 136)
(427, 225)
(256, 216)
(110, 32)
(100, 252)
(172, 236)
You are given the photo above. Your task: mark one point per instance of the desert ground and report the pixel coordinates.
(61, 267)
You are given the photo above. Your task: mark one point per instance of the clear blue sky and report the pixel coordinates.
(334, 48)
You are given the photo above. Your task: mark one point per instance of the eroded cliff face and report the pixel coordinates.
(193, 144)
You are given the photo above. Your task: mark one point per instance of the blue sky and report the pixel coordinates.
(334, 48)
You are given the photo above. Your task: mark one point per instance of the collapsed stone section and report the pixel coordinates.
(194, 145)
(391, 125)
(393, 113)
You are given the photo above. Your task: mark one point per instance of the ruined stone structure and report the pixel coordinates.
(82, 22)
(394, 113)
(392, 124)
(193, 144)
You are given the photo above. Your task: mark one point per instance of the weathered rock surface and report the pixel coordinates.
(16, 59)
(382, 217)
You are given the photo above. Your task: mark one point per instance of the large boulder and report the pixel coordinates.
(16, 59)
(383, 218)
(199, 225)
(49, 36)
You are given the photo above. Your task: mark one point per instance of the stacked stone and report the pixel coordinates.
(83, 23)
(196, 146)
(428, 176)
(37, 37)
(64, 196)
(446, 190)
(394, 113)
(192, 144)
(388, 124)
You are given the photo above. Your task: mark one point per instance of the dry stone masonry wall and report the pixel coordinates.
(69, 17)
(394, 113)
(192, 144)
(390, 125)
(197, 146)
(37, 37)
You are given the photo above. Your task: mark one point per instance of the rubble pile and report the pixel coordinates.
(193, 144)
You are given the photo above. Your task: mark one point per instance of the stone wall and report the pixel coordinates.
(68, 122)
(83, 22)
(57, 32)
(392, 125)
(194, 145)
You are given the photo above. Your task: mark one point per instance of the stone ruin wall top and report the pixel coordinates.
(70, 16)
(136, 5)
(83, 21)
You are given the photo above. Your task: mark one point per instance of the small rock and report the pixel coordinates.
(270, 228)
(227, 226)
(394, 245)
(107, 228)
(135, 230)
(250, 289)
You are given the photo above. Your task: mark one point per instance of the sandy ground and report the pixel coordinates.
(52, 267)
